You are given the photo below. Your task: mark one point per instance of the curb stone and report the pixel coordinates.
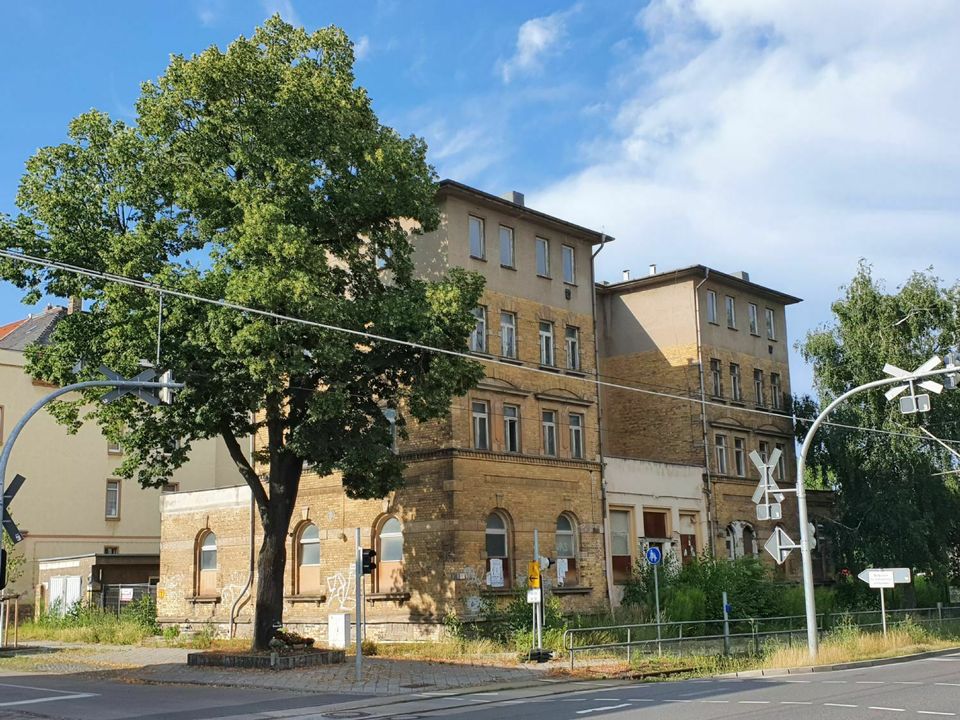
(853, 665)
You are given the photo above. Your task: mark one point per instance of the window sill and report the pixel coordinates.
(713, 322)
(204, 599)
(570, 284)
(508, 267)
(572, 590)
(112, 518)
(575, 373)
(731, 327)
(545, 277)
(549, 368)
(398, 597)
(754, 334)
(738, 403)
(482, 353)
(295, 599)
(481, 259)
(497, 592)
(511, 360)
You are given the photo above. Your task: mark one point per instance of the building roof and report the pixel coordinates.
(457, 188)
(696, 272)
(32, 329)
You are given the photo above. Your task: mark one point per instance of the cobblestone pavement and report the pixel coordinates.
(381, 676)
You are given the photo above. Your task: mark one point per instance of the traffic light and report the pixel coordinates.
(368, 561)
(3, 568)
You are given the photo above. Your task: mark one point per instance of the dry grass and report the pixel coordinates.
(472, 652)
(107, 631)
(850, 647)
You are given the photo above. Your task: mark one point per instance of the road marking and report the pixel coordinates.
(680, 701)
(40, 689)
(871, 682)
(605, 707)
(74, 696)
(834, 682)
(484, 694)
(799, 682)
(934, 712)
(795, 702)
(948, 684)
(872, 707)
(907, 682)
(839, 705)
(644, 700)
(753, 702)
(715, 702)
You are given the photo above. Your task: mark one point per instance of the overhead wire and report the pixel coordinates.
(592, 378)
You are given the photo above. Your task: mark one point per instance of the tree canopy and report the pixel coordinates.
(259, 175)
(893, 508)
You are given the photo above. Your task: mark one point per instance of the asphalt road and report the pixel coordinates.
(926, 689)
(78, 697)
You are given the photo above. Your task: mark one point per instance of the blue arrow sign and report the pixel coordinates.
(654, 556)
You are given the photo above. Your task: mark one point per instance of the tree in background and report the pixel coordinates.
(259, 175)
(893, 509)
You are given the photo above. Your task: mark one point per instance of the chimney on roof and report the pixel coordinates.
(74, 305)
(513, 196)
(743, 275)
(626, 274)
(653, 268)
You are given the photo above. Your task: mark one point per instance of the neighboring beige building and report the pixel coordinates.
(72, 502)
(519, 453)
(719, 341)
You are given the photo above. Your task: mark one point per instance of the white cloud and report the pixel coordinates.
(284, 8)
(361, 48)
(535, 38)
(209, 11)
(788, 139)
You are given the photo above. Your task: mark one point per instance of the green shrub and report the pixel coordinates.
(143, 612)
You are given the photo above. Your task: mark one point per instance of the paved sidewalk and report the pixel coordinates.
(381, 676)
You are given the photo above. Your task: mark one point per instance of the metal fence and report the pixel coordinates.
(117, 597)
(741, 635)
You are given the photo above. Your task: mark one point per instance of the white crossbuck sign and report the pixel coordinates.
(767, 510)
(913, 402)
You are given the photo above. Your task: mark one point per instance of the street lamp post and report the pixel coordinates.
(906, 379)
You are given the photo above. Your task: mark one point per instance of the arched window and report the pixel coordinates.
(308, 559)
(749, 541)
(498, 551)
(207, 563)
(390, 556)
(566, 551)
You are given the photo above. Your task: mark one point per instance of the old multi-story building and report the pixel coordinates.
(517, 457)
(95, 512)
(706, 354)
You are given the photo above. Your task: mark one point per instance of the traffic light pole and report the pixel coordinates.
(15, 432)
(806, 553)
(358, 568)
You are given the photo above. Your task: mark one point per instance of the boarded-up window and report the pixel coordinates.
(655, 524)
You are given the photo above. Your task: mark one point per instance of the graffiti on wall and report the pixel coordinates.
(340, 593)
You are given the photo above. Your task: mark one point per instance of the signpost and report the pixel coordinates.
(881, 579)
(654, 556)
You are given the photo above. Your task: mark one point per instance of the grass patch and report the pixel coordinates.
(462, 651)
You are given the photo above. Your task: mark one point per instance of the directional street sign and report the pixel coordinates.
(654, 556)
(885, 577)
(779, 545)
(913, 402)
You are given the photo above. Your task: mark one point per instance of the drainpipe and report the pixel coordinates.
(604, 508)
(244, 594)
(711, 530)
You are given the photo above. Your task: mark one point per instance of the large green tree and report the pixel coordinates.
(893, 508)
(259, 175)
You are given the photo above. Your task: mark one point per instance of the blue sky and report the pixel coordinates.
(783, 138)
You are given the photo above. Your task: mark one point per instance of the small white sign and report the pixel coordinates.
(881, 579)
(954, 595)
(126, 594)
(561, 571)
(495, 576)
(533, 596)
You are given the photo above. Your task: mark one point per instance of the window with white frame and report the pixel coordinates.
(576, 436)
(478, 242)
(776, 391)
(206, 563)
(572, 339)
(782, 461)
(508, 334)
(754, 319)
(764, 449)
(548, 425)
(716, 375)
(112, 509)
(736, 384)
(740, 456)
(390, 556)
(758, 386)
(621, 545)
(547, 356)
(712, 307)
(569, 265)
(498, 551)
(731, 313)
(566, 551)
(308, 559)
(507, 248)
(721, 444)
(481, 424)
(478, 338)
(771, 325)
(511, 428)
(543, 257)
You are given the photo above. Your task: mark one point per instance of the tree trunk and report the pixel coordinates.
(271, 564)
